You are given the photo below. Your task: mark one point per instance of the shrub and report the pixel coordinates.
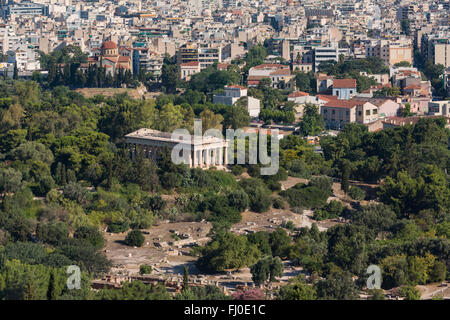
(135, 238)
(333, 209)
(297, 168)
(74, 191)
(278, 203)
(237, 170)
(305, 196)
(238, 199)
(410, 293)
(54, 232)
(118, 226)
(356, 193)
(254, 171)
(91, 234)
(145, 269)
(322, 182)
(260, 201)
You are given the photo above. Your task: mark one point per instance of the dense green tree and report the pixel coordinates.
(227, 251)
(338, 286)
(312, 122)
(267, 268)
(135, 238)
(297, 289)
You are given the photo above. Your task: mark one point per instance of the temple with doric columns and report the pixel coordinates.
(204, 152)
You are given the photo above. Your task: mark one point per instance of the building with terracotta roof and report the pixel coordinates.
(337, 113)
(279, 74)
(188, 69)
(344, 88)
(108, 56)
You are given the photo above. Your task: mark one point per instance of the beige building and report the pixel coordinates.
(442, 54)
(338, 113)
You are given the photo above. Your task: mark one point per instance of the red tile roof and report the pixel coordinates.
(344, 83)
(190, 64)
(347, 104)
(270, 66)
(327, 97)
(109, 45)
(283, 72)
(236, 87)
(296, 94)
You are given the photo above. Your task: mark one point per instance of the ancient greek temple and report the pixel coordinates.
(204, 152)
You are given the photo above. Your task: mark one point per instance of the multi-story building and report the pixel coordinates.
(205, 54)
(146, 60)
(332, 53)
(436, 47)
(344, 88)
(188, 69)
(439, 108)
(337, 113)
(32, 9)
(233, 93)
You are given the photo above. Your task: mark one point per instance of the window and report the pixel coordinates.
(359, 113)
(374, 111)
(333, 112)
(325, 111)
(351, 91)
(347, 113)
(368, 112)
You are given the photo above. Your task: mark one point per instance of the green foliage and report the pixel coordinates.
(258, 193)
(92, 235)
(410, 293)
(53, 232)
(237, 170)
(352, 67)
(238, 199)
(10, 180)
(134, 238)
(210, 79)
(170, 77)
(356, 193)
(377, 217)
(312, 123)
(338, 286)
(387, 92)
(278, 203)
(305, 196)
(227, 251)
(280, 243)
(208, 292)
(331, 210)
(135, 290)
(118, 226)
(267, 268)
(297, 289)
(145, 269)
(407, 195)
(305, 82)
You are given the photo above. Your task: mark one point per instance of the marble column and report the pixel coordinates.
(207, 156)
(221, 156)
(214, 156)
(200, 158)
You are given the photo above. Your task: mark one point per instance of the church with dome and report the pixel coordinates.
(113, 58)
